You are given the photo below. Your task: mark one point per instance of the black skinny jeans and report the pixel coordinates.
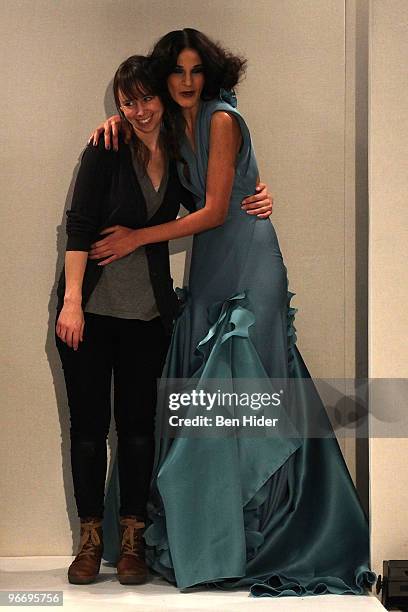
(134, 351)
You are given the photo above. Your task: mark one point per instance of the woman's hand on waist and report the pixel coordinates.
(259, 204)
(120, 241)
(71, 323)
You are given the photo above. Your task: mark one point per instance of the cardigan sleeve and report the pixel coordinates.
(83, 218)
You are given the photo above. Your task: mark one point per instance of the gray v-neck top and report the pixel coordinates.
(124, 289)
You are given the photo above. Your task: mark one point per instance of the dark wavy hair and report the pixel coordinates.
(222, 69)
(136, 76)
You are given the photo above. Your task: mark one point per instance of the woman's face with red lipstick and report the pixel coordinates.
(186, 82)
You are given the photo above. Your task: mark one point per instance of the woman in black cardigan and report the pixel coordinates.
(120, 321)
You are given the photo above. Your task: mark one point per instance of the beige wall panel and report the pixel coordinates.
(388, 257)
(58, 58)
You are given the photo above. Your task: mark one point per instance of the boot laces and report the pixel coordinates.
(89, 538)
(132, 541)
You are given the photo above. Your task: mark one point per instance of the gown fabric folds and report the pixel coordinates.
(278, 515)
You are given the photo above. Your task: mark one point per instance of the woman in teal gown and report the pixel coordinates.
(278, 514)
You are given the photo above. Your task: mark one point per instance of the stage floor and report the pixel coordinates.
(49, 573)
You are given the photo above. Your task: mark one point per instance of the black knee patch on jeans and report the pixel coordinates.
(87, 446)
(136, 441)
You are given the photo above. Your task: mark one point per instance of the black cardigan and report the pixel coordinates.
(108, 193)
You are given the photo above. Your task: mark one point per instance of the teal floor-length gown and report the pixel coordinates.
(279, 515)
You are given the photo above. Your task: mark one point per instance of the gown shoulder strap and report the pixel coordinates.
(204, 122)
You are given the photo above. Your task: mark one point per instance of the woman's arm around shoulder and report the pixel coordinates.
(225, 142)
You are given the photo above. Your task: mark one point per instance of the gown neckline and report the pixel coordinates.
(194, 152)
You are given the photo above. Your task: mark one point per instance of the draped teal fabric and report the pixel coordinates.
(277, 514)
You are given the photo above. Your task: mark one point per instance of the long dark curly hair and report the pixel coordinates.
(222, 69)
(136, 76)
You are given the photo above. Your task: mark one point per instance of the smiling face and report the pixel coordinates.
(143, 111)
(186, 82)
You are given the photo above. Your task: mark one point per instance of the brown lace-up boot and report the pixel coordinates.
(85, 567)
(131, 566)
